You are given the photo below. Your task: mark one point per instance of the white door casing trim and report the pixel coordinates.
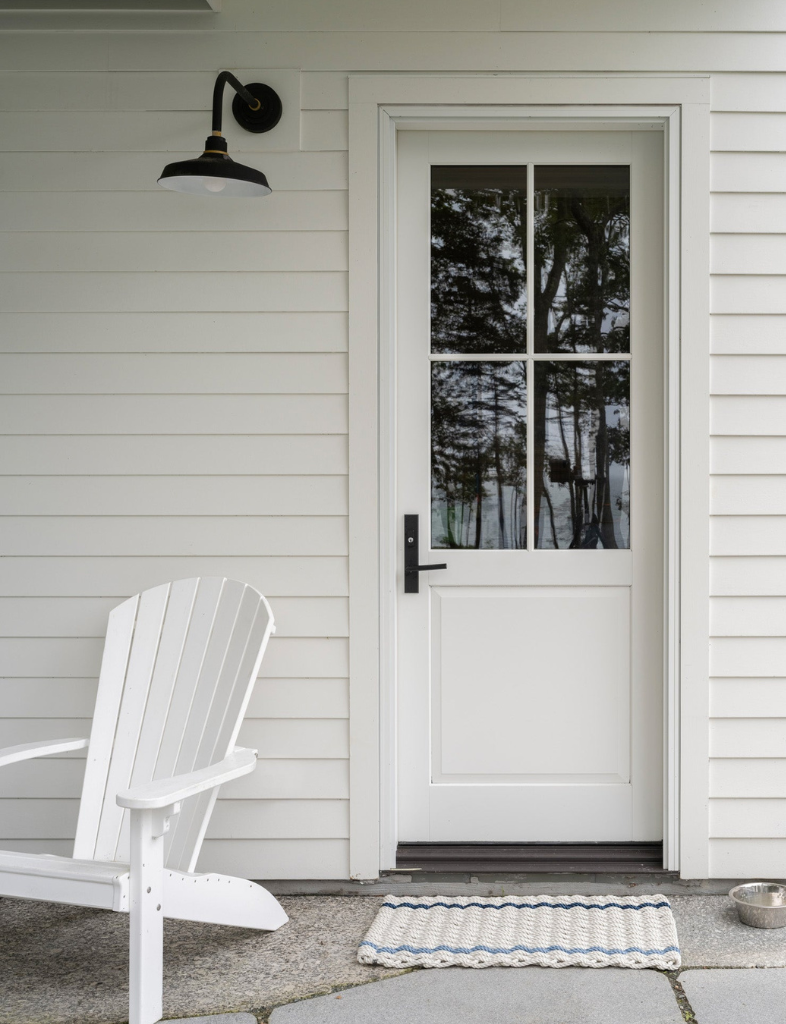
(379, 106)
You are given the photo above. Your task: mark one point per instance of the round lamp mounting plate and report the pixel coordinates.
(265, 117)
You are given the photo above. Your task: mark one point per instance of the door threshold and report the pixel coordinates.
(577, 858)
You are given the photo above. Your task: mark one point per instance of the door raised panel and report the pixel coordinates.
(530, 683)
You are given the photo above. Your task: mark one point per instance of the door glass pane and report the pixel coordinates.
(582, 257)
(478, 252)
(478, 455)
(582, 454)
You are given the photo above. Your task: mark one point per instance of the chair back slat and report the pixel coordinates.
(141, 663)
(221, 726)
(117, 647)
(189, 670)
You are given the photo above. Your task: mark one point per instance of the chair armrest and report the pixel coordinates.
(164, 792)
(26, 751)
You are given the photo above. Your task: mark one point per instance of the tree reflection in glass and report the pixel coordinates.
(581, 479)
(478, 251)
(582, 259)
(479, 455)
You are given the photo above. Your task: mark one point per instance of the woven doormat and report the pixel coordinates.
(516, 931)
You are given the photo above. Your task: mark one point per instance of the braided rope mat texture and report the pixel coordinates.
(518, 931)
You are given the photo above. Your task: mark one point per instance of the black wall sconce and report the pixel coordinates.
(257, 108)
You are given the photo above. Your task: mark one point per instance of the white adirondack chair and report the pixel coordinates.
(179, 664)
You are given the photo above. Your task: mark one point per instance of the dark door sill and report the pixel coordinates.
(578, 858)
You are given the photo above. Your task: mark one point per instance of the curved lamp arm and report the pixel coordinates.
(225, 77)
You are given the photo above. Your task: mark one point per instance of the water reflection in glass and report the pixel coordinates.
(479, 455)
(582, 259)
(478, 252)
(582, 454)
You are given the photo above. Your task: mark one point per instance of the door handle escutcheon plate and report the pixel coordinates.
(412, 557)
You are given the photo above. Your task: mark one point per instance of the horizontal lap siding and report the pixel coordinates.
(173, 402)
(748, 485)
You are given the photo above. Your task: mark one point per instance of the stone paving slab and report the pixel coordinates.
(737, 997)
(524, 995)
(220, 1018)
(711, 935)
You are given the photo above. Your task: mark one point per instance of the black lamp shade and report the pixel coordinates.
(214, 174)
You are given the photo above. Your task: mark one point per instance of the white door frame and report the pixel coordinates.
(379, 106)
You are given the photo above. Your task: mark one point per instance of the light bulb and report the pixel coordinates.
(215, 184)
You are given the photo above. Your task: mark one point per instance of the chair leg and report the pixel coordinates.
(147, 918)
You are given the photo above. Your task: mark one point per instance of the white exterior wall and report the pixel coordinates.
(174, 377)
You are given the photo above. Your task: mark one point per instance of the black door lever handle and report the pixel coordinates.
(411, 556)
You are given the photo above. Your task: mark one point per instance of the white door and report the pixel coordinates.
(529, 444)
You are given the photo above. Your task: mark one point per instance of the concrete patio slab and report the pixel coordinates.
(732, 997)
(711, 935)
(69, 965)
(526, 995)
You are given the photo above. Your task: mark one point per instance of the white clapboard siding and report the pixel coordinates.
(38, 819)
(278, 331)
(138, 172)
(300, 698)
(170, 495)
(239, 253)
(747, 858)
(748, 213)
(81, 656)
(748, 374)
(167, 374)
(45, 778)
(280, 819)
(324, 90)
(276, 455)
(272, 779)
(171, 292)
(748, 737)
(87, 617)
(67, 576)
(74, 697)
(231, 819)
(748, 535)
(757, 577)
(748, 294)
(747, 698)
(262, 859)
(747, 172)
(747, 254)
(751, 92)
(476, 48)
(168, 211)
(174, 378)
(283, 779)
(755, 416)
(740, 333)
(735, 456)
(748, 818)
(753, 777)
(174, 535)
(297, 738)
(756, 132)
(750, 495)
(752, 656)
(30, 697)
(748, 616)
(324, 129)
(173, 414)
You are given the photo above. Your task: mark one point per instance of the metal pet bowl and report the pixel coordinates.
(761, 904)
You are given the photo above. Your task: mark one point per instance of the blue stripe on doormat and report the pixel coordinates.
(516, 949)
(526, 906)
